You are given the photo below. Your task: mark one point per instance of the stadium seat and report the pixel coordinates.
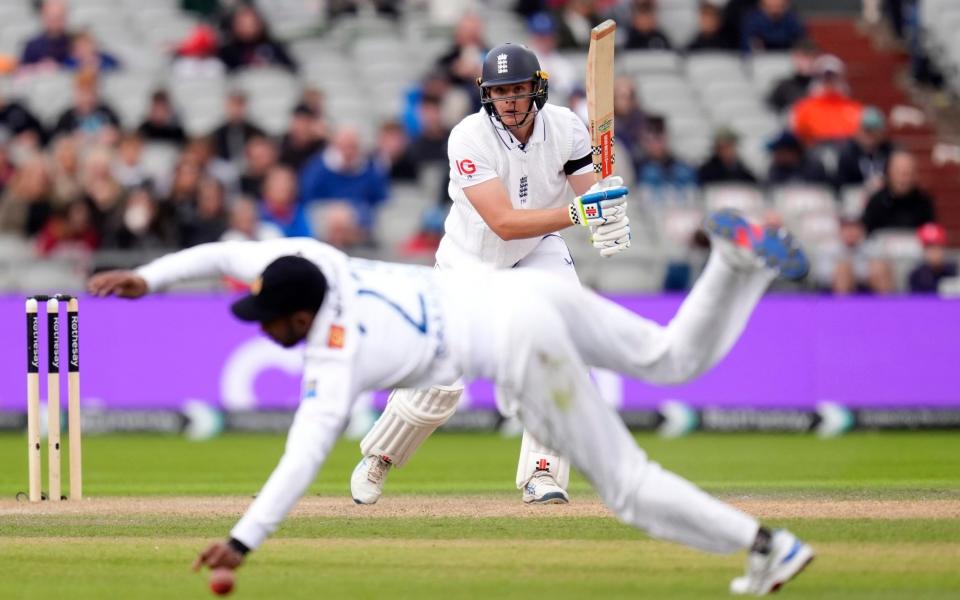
(853, 199)
(636, 63)
(746, 198)
(768, 68)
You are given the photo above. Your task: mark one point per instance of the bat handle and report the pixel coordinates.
(607, 194)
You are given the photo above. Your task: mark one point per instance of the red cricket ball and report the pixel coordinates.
(221, 581)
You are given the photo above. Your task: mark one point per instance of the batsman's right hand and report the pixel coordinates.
(125, 284)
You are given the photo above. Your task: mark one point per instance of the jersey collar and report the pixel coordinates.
(538, 136)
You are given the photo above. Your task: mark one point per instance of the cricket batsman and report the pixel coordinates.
(369, 325)
(512, 165)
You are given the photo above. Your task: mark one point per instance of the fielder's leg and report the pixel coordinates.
(409, 418)
(559, 404)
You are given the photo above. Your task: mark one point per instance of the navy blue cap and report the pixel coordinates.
(288, 284)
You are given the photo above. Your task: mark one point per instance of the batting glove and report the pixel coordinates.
(611, 238)
(601, 206)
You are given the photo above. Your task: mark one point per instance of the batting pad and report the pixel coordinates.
(410, 417)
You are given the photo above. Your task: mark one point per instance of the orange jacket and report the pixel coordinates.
(826, 116)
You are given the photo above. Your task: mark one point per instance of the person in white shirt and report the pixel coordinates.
(369, 325)
(512, 165)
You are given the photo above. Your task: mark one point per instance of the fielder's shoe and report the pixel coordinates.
(543, 489)
(368, 479)
(766, 573)
(753, 245)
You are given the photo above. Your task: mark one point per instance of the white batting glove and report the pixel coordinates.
(609, 182)
(611, 238)
(601, 206)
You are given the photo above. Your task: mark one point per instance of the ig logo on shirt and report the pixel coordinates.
(466, 167)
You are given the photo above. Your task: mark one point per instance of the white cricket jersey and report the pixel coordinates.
(371, 310)
(535, 175)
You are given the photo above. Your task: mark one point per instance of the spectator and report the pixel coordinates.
(207, 222)
(434, 85)
(710, 33)
(393, 152)
(925, 277)
(660, 171)
(863, 159)
(52, 46)
(900, 203)
(245, 223)
(853, 266)
(231, 137)
(576, 19)
(162, 124)
(789, 90)
(101, 191)
(17, 120)
(306, 135)
(89, 116)
(280, 207)
(261, 156)
(827, 114)
(644, 34)
(127, 167)
(773, 25)
(789, 163)
(28, 199)
(86, 56)
(343, 173)
(543, 41)
(201, 151)
(630, 119)
(69, 230)
(184, 190)
(724, 165)
(140, 226)
(251, 45)
(431, 145)
(463, 62)
(65, 170)
(196, 55)
(7, 168)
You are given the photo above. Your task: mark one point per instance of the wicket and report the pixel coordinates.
(53, 396)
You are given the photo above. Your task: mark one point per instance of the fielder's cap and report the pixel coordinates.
(932, 234)
(288, 284)
(541, 24)
(828, 64)
(872, 119)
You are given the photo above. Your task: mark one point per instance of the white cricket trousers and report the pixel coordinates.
(546, 345)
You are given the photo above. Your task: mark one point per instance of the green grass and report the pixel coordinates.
(147, 555)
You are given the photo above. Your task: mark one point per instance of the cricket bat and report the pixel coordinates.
(600, 97)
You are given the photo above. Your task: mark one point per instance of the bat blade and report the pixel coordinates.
(600, 96)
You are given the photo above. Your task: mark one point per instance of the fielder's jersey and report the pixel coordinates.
(380, 326)
(535, 175)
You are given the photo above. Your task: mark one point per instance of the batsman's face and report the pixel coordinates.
(512, 102)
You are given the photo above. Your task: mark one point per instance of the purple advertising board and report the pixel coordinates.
(163, 351)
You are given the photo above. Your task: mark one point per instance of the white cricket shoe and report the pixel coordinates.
(543, 489)
(766, 573)
(368, 479)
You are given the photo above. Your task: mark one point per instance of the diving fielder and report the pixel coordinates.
(370, 325)
(511, 165)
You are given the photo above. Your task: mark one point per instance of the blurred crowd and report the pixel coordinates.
(82, 183)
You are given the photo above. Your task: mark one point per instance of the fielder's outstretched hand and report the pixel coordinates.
(125, 284)
(218, 555)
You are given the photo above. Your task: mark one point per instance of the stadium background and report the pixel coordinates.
(130, 129)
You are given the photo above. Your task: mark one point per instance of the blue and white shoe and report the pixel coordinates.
(766, 573)
(544, 489)
(747, 244)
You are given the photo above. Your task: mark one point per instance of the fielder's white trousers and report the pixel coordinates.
(544, 348)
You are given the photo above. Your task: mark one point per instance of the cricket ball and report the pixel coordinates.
(221, 581)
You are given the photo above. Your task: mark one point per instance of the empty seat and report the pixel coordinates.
(746, 198)
(768, 68)
(644, 62)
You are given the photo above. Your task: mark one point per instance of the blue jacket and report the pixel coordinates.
(775, 35)
(296, 226)
(364, 189)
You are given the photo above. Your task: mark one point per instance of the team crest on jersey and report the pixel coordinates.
(335, 337)
(502, 63)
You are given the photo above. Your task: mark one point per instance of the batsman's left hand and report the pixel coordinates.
(217, 555)
(611, 238)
